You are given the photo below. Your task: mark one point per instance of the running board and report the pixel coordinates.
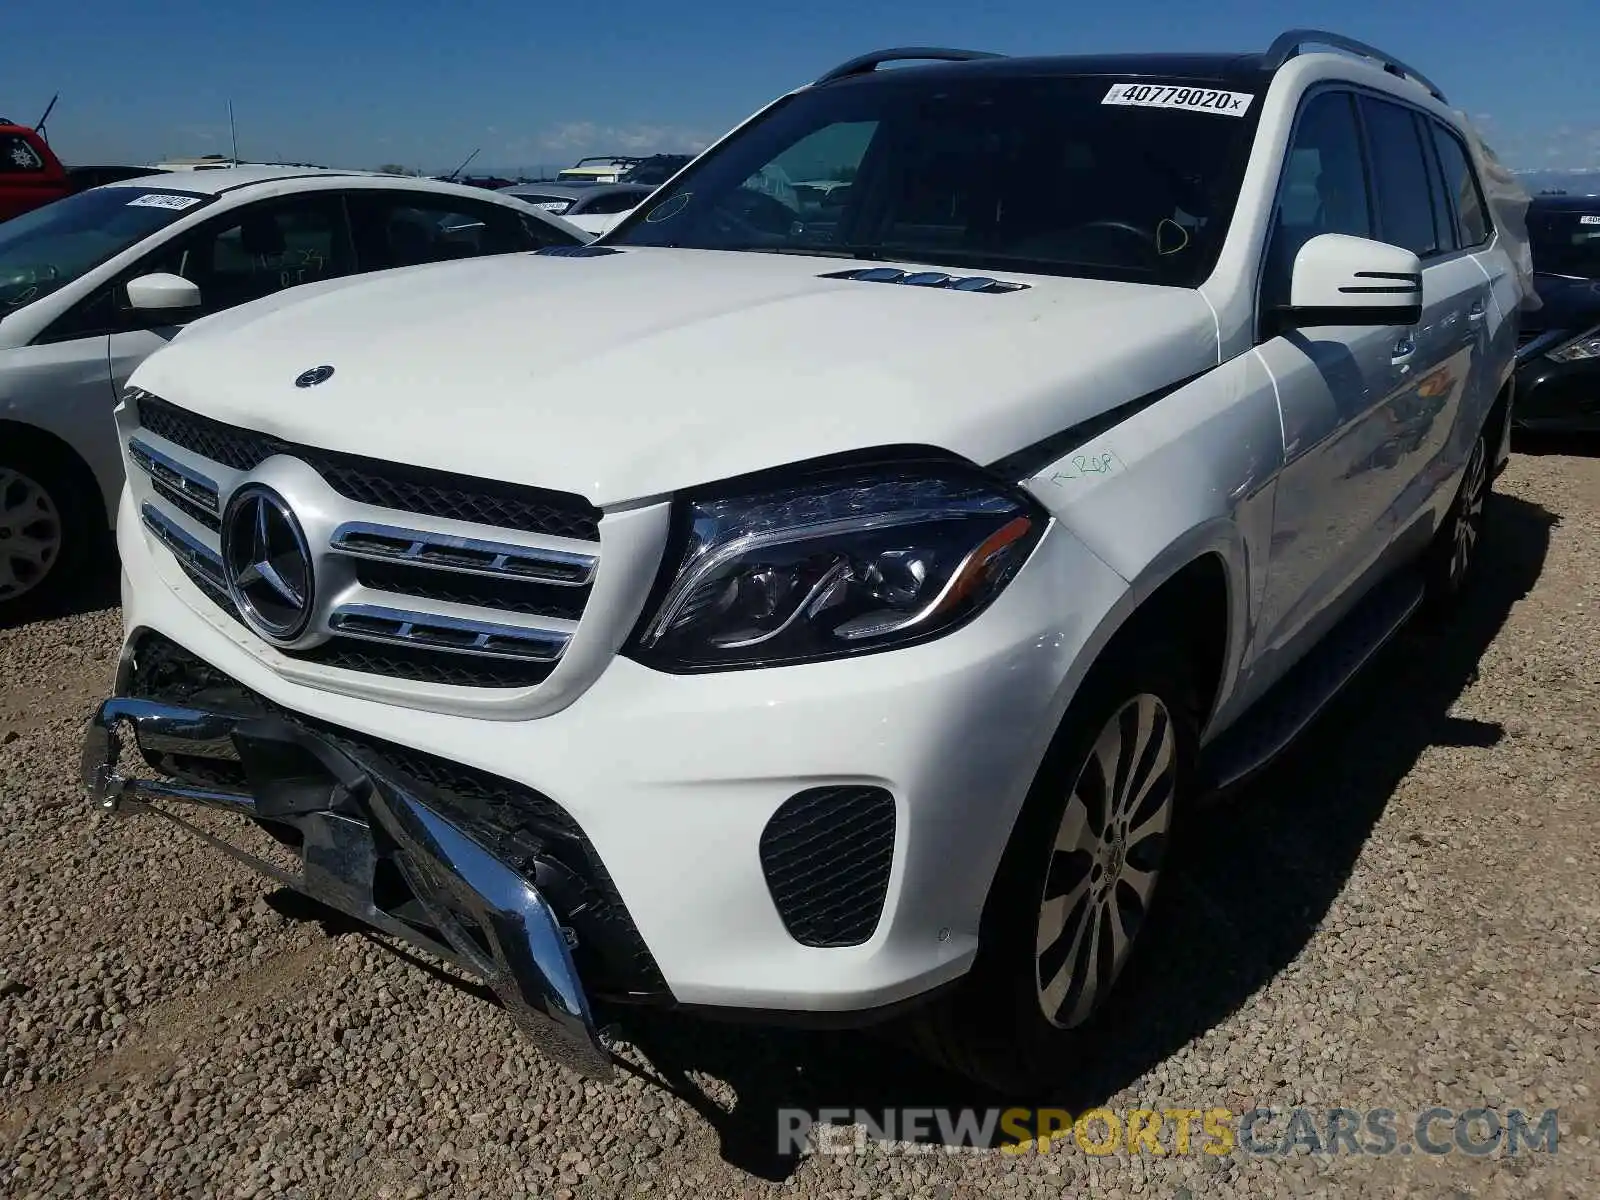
(1295, 701)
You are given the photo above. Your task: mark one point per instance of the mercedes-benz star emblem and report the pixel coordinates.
(268, 563)
(314, 376)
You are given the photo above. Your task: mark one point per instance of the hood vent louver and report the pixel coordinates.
(929, 279)
(584, 251)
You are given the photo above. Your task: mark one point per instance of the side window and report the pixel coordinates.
(1400, 177)
(1444, 217)
(1323, 188)
(93, 316)
(262, 248)
(408, 228)
(604, 206)
(1461, 182)
(17, 156)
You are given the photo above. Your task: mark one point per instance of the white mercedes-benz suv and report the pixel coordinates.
(935, 542)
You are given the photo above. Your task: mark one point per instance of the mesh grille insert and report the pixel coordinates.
(384, 484)
(827, 853)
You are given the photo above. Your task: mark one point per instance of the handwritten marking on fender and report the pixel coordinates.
(1094, 465)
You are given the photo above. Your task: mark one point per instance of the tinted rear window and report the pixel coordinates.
(1461, 182)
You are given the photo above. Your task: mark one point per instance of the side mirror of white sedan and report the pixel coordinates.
(162, 292)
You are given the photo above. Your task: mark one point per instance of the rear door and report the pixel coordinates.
(1469, 213)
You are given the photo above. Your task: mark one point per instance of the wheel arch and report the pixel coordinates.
(1191, 588)
(39, 441)
(1197, 586)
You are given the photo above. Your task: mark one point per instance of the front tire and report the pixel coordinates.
(1079, 879)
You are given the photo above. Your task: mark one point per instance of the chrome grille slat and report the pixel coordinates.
(171, 474)
(196, 512)
(466, 556)
(202, 563)
(451, 635)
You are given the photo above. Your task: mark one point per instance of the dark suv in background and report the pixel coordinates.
(1558, 362)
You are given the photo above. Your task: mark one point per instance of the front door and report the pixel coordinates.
(1335, 385)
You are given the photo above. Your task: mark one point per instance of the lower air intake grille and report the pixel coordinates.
(826, 854)
(384, 484)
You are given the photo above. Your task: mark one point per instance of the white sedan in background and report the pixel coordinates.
(94, 283)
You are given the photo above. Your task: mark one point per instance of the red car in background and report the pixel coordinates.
(30, 173)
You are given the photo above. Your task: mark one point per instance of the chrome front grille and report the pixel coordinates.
(401, 593)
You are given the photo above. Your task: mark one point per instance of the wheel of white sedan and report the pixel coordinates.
(45, 531)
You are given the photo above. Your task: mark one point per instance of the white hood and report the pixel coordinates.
(630, 375)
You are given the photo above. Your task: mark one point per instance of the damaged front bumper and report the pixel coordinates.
(355, 828)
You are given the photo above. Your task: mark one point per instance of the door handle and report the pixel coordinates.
(1475, 313)
(1403, 349)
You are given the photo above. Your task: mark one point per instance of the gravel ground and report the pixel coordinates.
(1403, 913)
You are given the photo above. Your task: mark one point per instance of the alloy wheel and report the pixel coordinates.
(1105, 860)
(1469, 513)
(30, 533)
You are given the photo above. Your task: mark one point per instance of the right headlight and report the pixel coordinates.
(848, 562)
(1586, 345)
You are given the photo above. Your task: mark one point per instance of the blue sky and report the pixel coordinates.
(422, 84)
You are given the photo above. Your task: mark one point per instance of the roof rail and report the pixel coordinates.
(1287, 45)
(871, 62)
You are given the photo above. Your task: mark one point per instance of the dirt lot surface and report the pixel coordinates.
(1403, 913)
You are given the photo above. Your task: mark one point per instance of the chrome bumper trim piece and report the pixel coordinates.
(350, 816)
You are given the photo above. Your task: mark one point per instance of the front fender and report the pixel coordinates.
(1193, 474)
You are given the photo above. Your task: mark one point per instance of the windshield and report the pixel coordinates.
(1038, 174)
(51, 246)
(1565, 241)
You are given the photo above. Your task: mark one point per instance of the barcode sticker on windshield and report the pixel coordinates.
(162, 200)
(1194, 99)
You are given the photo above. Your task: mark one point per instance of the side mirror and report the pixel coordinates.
(163, 293)
(1343, 280)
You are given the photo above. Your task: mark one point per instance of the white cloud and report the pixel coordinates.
(590, 137)
(1565, 147)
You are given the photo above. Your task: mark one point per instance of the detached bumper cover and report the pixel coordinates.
(458, 899)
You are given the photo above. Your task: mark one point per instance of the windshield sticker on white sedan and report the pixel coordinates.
(1193, 99)
(163, 200)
